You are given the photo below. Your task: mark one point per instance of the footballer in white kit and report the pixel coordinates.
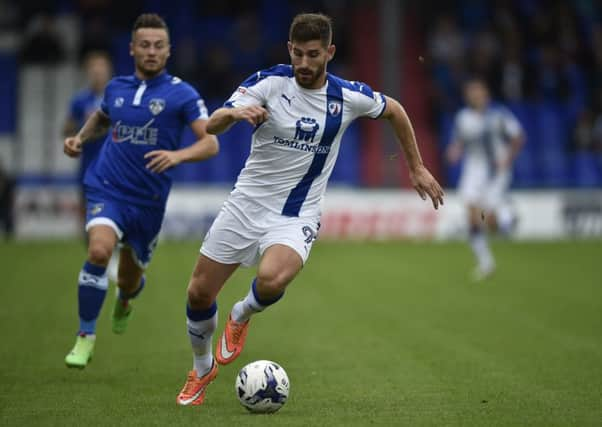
(272, 216)
(489, 138)
(277, 196)
(485, 137)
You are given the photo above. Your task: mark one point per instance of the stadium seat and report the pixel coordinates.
(8, 92)
(585, 169)
(526, 172)
(552, 156)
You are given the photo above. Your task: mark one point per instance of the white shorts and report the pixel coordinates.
(243, 230)
(481, 188)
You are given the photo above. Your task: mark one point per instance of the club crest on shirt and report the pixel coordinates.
(306, 129)
(334, 108)
(118, 102)
(97, 208)
(156, 105)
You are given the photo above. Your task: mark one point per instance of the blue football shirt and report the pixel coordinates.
(145, 115)
(83, 104)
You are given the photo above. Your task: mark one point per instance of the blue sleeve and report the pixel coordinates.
(193, 106)
(76, 111)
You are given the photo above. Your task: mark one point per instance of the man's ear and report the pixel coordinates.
(331, 51)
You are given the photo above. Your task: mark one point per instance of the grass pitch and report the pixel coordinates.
(370, 334)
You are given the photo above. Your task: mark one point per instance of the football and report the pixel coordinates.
(262, 386)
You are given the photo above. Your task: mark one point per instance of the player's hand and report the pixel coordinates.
(425, 184)
(504, 164)
(161, 160)
(253, 114)
(72, 146)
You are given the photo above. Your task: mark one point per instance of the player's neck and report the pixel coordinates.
(98, 89)
(146, 76)
(318, 84)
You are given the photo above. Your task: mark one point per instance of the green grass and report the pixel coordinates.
(370, 334)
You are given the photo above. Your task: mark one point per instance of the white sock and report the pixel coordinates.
(200, 333)
(244, 309)
(113, 267)
(480, 247)
(505, 219)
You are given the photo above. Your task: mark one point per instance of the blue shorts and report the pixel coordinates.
(136, 226)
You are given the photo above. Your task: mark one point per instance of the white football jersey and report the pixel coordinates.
(485, 135)
(294, 151)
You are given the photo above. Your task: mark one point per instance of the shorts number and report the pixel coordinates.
(310, 235)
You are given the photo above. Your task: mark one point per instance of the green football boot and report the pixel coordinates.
(121, 316)
(81, 353)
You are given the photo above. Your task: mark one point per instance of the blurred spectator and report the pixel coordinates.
(42, 43)
(94, 37)
(583, 135)
(10, 14)
(7, 202)
(446, 44)
(597, 134)
(218, 80)
(512, 79)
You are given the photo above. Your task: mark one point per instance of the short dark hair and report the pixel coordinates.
(311, 26)
(96, 54)
(149, 20)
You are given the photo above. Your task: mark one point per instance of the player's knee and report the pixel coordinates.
(99, 254)
(272, 282)
(198, 297)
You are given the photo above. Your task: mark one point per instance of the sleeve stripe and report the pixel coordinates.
(384, 106)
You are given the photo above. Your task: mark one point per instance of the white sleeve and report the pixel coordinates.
(250, 92)
(365, 102)
(511, 125)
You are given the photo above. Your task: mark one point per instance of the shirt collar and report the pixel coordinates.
(164, 76)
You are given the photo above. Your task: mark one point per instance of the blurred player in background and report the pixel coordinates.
(98, 69)
(127, 186)
(272, 216)
(489, 138)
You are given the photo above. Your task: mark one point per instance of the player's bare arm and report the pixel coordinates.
(221, 119)
(516, 144)
(205, 147)
(69, 127)
(97, 125)
(454, 151)
(421, 178)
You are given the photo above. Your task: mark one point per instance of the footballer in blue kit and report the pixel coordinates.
(98, 69)
(84, 103)
(127, 186)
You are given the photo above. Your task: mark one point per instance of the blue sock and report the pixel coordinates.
(251, 304)
(93, 285)
(264, 302)
(125, 297)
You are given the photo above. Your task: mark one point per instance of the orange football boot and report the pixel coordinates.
(232, 341)
(193, 392)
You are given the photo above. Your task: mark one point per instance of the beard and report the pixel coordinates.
(306, 77)
(150, 70)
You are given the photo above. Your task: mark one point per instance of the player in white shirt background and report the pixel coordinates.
(488, 137)
(272, 216)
